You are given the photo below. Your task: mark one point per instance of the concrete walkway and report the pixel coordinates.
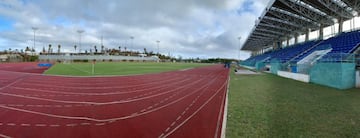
(245, 72)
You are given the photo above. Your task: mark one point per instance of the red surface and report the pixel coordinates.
(173, 104)
(26, 67)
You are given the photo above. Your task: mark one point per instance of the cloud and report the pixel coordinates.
(207, 28)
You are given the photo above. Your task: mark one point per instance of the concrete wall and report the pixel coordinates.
(294, 76)
(358, 79)
(336, 75)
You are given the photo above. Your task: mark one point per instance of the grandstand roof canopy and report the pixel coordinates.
(287, 18)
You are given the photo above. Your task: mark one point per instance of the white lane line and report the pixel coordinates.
(103, 103)
(151, 82)
(16, 81)
(111, 119)
(194, 113)
(10, 124)
(222, 108)
(157, 88)
(4, 136)
(71, 125)
(108, 93)
(223, 129)
(54, 125)
(100, 124)
(27, 125)
(40, 125)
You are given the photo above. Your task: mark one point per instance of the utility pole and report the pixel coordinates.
(80, 32)
(239, 38)
(157, 41)
(34, 29)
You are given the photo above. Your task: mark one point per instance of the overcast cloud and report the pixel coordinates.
(190, 28)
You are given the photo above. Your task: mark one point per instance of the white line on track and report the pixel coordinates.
(106, 93)
(16, 81)
(222, 109)
(4, 136)
(194, 113)
(110, 119)
(153, 82)
(102, 103)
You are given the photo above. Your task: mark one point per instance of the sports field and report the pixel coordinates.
(117, 68)
(270, 106)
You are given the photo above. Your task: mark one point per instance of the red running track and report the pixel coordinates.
(26, 67)
(186, 103)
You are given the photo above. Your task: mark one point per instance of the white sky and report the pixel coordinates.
(190, 28)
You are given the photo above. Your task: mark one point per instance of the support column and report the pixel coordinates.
(341, 23)
(274, 46)
(287, 42)
(296, 38)
(321, 31)
(307, 35)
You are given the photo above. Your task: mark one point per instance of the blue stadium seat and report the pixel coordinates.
(343, 43)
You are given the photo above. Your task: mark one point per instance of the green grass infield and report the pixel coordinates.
(116, 68)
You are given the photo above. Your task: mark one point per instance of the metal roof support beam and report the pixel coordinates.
(283, 22)
(261, 38)
(271, 32)
(275, 27)
(293, 18)
(291, 28)
(307, 12)
(355, 4)
(262, 34)
(341, 11)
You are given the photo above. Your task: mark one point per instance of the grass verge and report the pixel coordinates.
(270, 106)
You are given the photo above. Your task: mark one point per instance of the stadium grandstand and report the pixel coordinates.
(331, 60)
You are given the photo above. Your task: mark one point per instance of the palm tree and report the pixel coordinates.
(75, 48)
(95, 49)
(145, 52)
(59, 46)
(27, 49)
(102, 49)
(119, 48)
(43, 50)
(49, 48)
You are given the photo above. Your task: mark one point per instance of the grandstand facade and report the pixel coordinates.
(331, 61)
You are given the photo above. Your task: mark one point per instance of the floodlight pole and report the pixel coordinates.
(157, 41)
(132, 38)
(34, 30)
(80, 32)
(239, 38)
